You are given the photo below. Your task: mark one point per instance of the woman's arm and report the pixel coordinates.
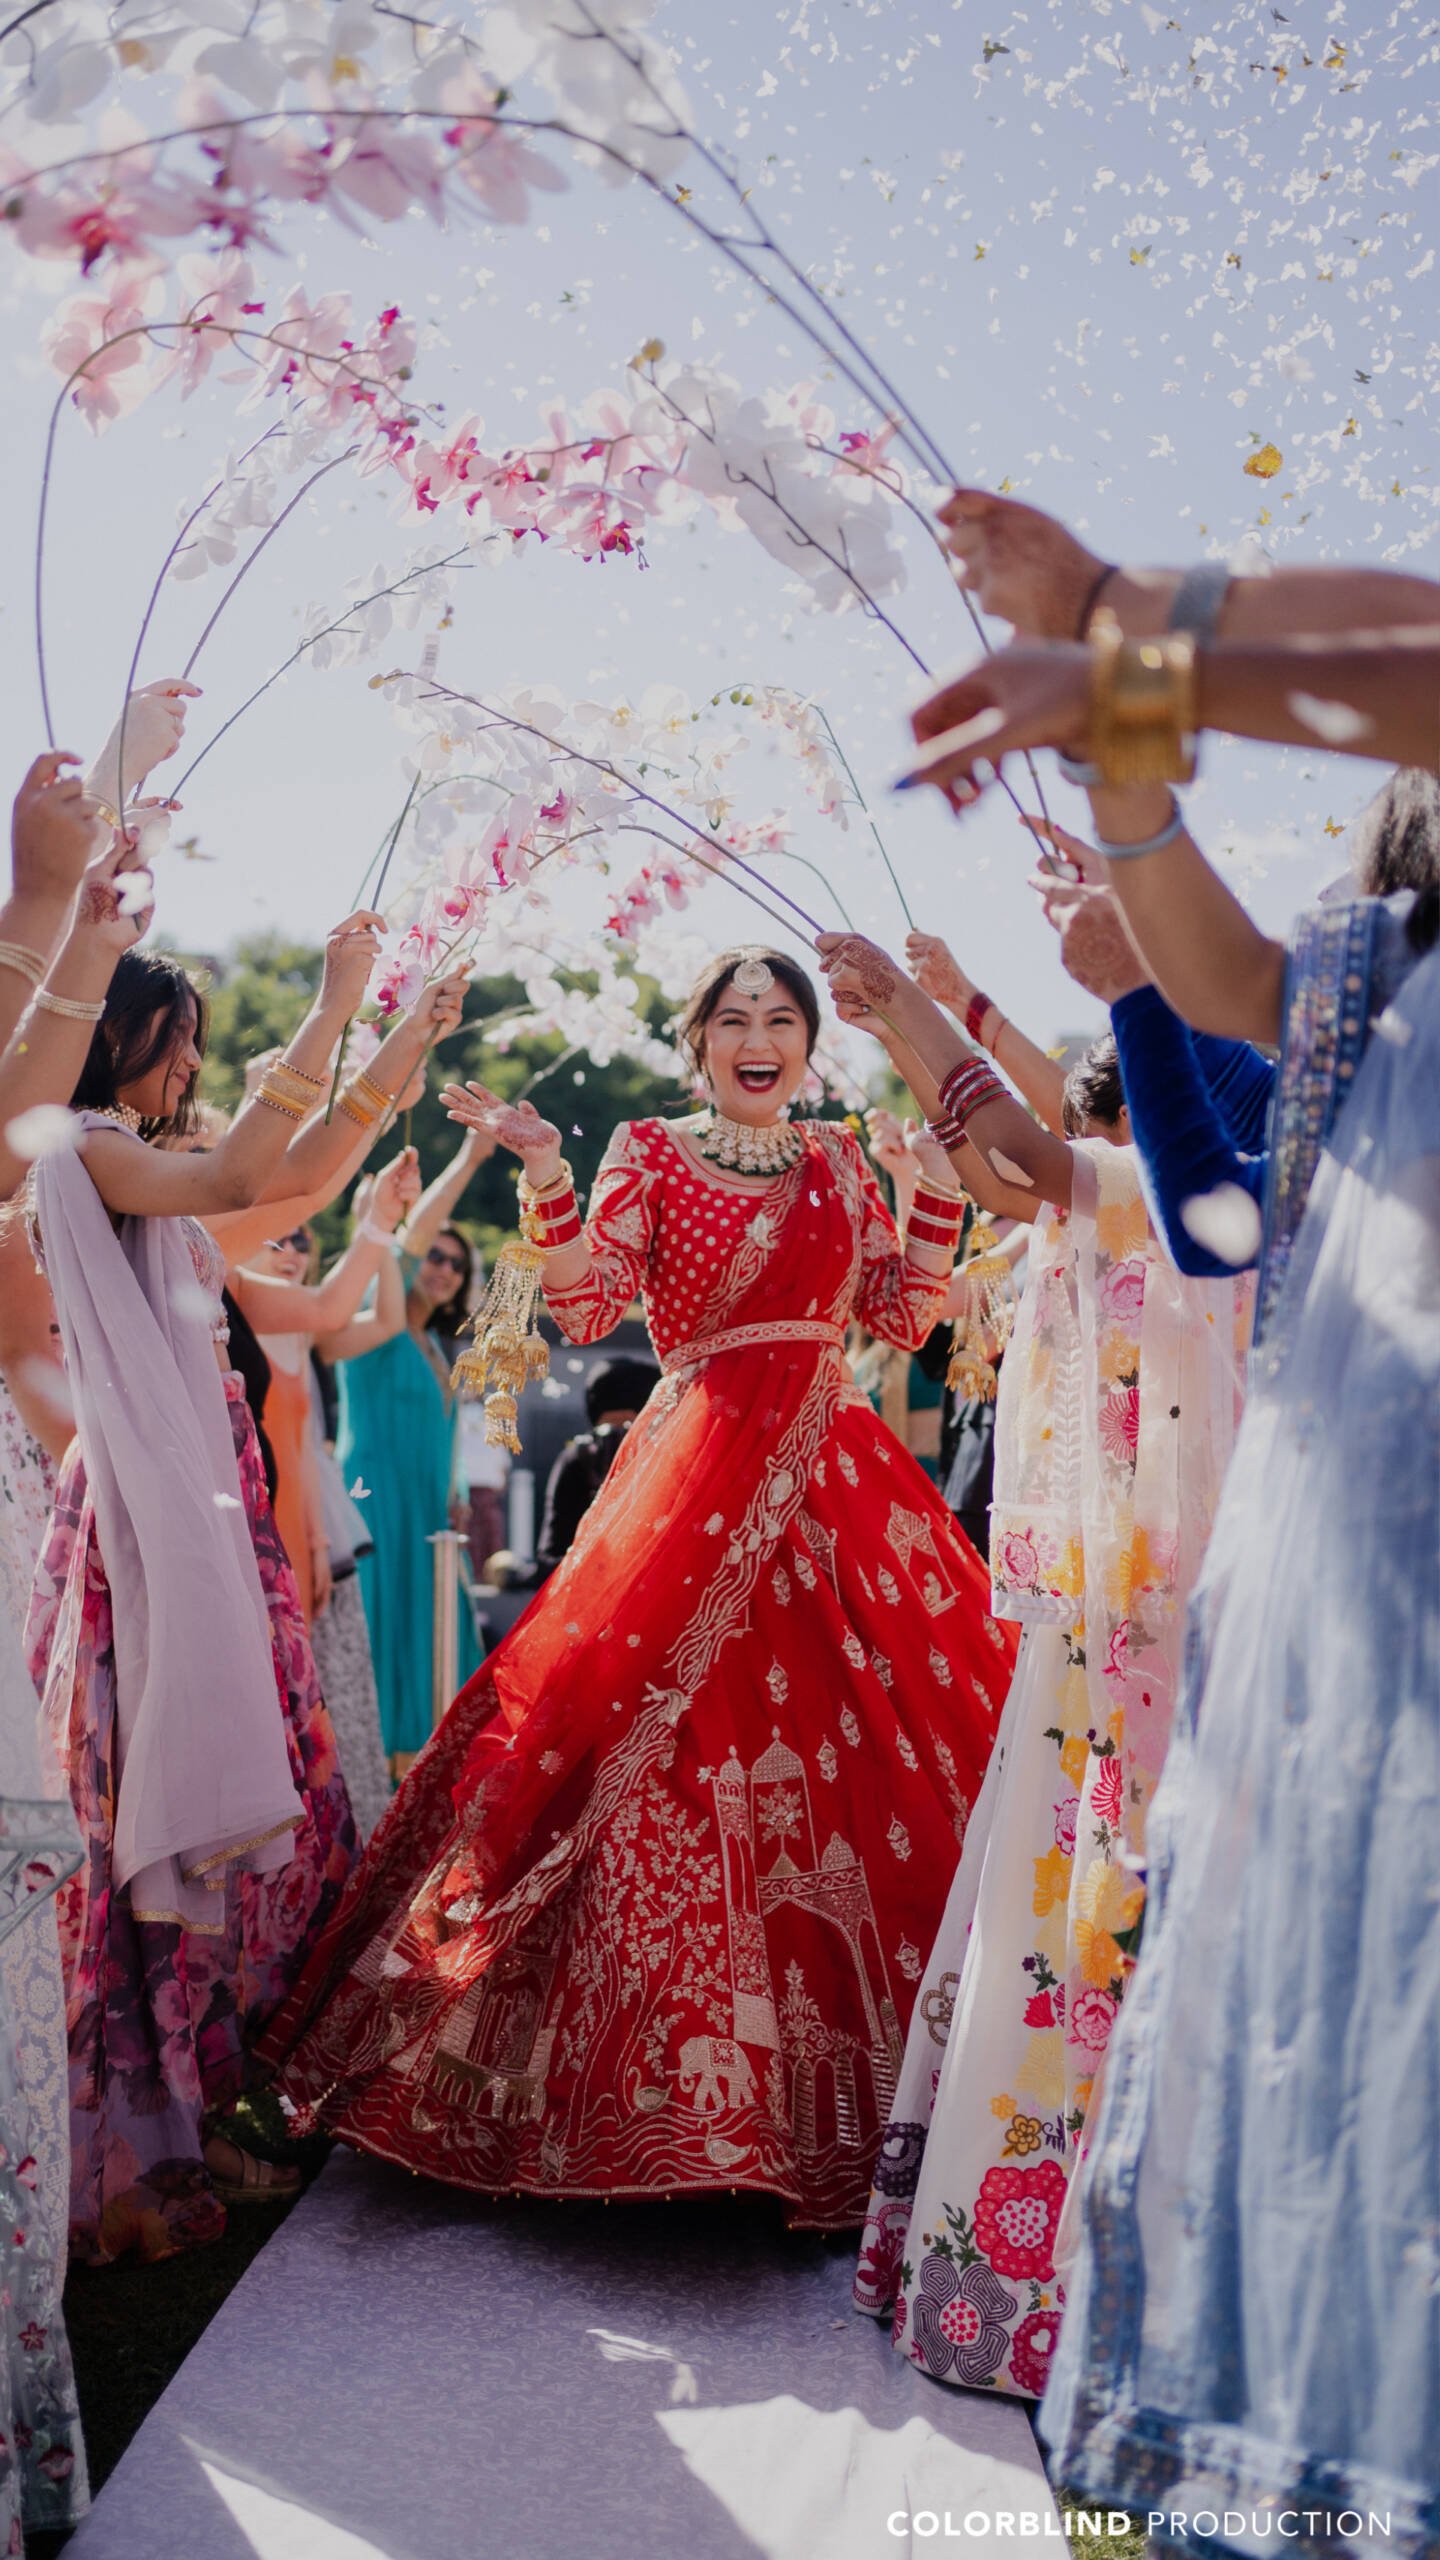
(939, 975)
(29, 1348)
(435, 1203)
(1374, 694)
(294, 1306)
(324, 1146)
(1027, 567)
(1009, 1163)
(51, 1042)
(591, 1273)
(375, 1324)
(51, 842)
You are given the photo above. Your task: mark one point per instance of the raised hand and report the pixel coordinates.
(857, 969)
(116, 905)
(516, 1126)
(1033, 694)
(440, 1006)
(153, 724)
(1094, 946)
(888, 1143)
(351, 951)
(51, 831)
(1019, 563)
(396, 1190)
(1082, 857)
(937, 972)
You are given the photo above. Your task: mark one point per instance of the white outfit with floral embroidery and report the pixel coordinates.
(1119, 1403)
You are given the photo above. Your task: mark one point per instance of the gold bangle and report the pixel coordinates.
(296, 1076)
(103, 809)
(1142, 705)
(25, 962)
(276, 1099)
(70, 1007)
(564, 1180)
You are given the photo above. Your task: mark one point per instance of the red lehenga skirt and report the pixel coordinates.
(648, 1913)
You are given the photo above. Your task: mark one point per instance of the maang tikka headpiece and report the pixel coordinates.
(753, 976)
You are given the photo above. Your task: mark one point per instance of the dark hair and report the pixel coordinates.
(148, 1014)
(618, 1386)
(1093, 1088)
(450, 1312)
(1395, 844)
(709, 987)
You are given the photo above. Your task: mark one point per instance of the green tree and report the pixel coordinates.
(259, 992)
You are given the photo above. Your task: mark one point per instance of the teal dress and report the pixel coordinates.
(397, 1440)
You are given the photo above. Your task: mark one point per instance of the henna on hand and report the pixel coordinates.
(875, 976)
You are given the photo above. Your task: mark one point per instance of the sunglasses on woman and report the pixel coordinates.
(298, 1241)
(447, 1261)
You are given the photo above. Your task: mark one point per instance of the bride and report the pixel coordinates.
(648, 1914)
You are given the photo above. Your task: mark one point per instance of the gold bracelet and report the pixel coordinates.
(71, 1007)
(564, 1180)
(361, 1083)
(364, 1101)
(25, 962)
(1142, 705)
(296, 1076)
(103, 809)
(277, 1099)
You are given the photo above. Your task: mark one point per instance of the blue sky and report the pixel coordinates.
(1104, 249)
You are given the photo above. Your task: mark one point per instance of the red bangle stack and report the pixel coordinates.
(947, 1133)
(553, 1220)
(967, 1089)
(935, 1218)
(975, 1012)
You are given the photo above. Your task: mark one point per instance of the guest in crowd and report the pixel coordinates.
(289, 1313)
(214, 1842)
(1102, 1508)
(1266, 2128)
(397, 1442)
(615, 1392)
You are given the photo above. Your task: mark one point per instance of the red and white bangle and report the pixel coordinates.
(967, 1089)
(975, 1012)
(936, 1218)
(553, 1219)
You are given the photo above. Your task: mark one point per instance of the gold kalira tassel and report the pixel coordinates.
(507, 1351)
(990, 1313)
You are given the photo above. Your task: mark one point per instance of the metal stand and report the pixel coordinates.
(444, 1629)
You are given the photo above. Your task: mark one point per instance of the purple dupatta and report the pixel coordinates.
(204, 1778)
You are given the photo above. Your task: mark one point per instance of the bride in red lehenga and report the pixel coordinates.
(648, 1912)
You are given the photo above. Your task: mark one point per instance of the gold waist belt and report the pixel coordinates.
(744, 1337)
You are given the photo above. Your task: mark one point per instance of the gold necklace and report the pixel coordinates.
(741, 1148)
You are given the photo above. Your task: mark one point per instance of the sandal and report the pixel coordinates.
(259, 2182)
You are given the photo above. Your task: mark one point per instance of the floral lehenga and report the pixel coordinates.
(1119, 1402)
(648, 1914)
(159, 2014)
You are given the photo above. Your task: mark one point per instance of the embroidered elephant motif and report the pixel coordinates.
(706, 2061)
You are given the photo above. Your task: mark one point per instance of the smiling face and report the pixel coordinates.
(288, 1257)
(443, 1275)
(756, 1053)
(158, 1092)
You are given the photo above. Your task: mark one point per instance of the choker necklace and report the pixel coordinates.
(125, 1112)
(743, 1149)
